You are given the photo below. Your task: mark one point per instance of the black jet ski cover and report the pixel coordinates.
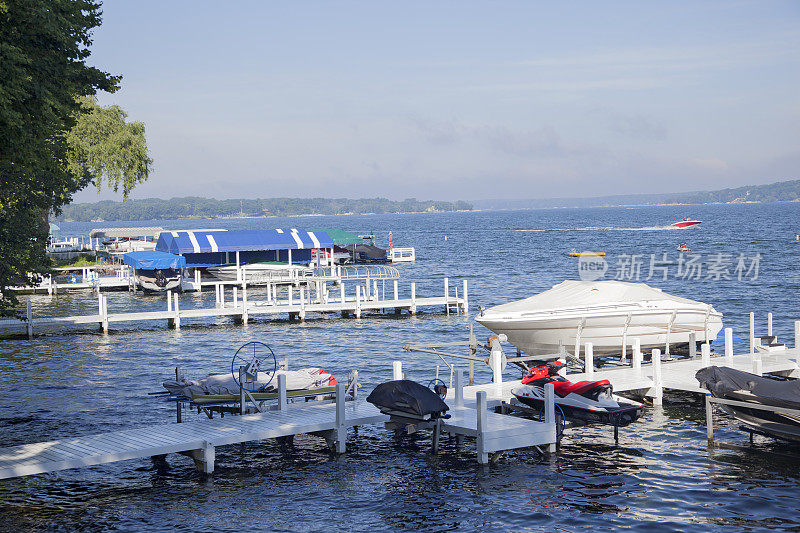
(723, 380)
(408, 396)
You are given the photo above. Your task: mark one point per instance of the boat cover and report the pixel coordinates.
(721, 380)
(367, 250)
(204, 241)
(572, 293)
(408, 396)
(152, 260)
(224, 384)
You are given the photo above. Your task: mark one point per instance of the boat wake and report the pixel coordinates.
(606, 228)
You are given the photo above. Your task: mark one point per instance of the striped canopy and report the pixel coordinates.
(195, 242)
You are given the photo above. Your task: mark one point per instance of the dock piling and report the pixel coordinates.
(396, 297)
(459, 388)
(705, 354)
(358, 301)
(752, 335)
(413, 308)
(341, 427)
(244, 302)
(769, 324)
(550, 412)
(177, 313)
(397, 370)
(29, 318)
(589, 359)
(729, 345)
(282, 403)
(637, 357)
(758, 366)
(483, 456)
(465, 304)
(658, 384)
(446, 296)
(693, 344)
(709, 419)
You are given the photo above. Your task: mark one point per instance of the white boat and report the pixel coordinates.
(263, 272)
(605, 313)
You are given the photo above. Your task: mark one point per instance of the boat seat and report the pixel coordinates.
(563, 388)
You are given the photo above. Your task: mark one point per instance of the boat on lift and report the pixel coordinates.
(584, 402)
(757, 394)
(603, 313)
(685, 223)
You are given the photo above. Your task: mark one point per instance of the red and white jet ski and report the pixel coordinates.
(584, 402)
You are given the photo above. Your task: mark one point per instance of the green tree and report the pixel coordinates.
(44, 46)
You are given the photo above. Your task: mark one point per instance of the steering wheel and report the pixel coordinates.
(255, 357)
(435, 384)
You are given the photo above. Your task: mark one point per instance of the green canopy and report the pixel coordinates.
(341, 237)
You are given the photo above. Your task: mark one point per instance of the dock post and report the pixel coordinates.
(458, 386)
(170, 318)
(465, 305)
(242, 400)
(397, 370)
(752, 336)
(282, 403)
(216, 295)
(376, 295)
(222, 296)
(29, 318)
(709, 420)
(797, 337)
(637, 357)
(769, 324)
(303, 303)
(169, 301)
(177, 313)
(483, 456)
(693, 344)
(413, 308)
(495, 362)
(290, 290)
(395, 291)
(446, 296)
(550, 413)
(705, 354)
(244, 302)
(728, 345)
(658, 394)
(758, 366)
(235, 297)
(341, 291)
(341, 424)
(589, 360)
(358, 301)
(197, 280)
(208, 456)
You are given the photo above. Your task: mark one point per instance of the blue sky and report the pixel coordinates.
(456, 100)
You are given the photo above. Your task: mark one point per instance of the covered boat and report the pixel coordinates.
(262, 272)
(603, 313)
(759, 391)
(156, 271)
(407, 399)
(223, 387)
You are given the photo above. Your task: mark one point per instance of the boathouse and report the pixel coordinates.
(203, 248)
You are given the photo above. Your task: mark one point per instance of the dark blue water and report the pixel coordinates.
(660, 477)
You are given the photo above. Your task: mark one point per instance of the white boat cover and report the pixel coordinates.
(224, 384)
(577, 294)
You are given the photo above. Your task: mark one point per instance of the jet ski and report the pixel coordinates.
(759, 391)
(584, 402)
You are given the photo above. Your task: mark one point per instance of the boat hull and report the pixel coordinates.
(685, 224)
(777, 425)
(541, 335)
(621, 415)
(262, 273)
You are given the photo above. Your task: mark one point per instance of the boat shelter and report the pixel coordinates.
(202, 248)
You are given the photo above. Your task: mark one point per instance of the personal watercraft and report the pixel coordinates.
(584, 402)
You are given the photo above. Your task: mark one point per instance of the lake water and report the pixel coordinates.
(661, 476)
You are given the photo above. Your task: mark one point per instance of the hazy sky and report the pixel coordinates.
(456, 100)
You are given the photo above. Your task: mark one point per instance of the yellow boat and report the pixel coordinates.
(573, 253)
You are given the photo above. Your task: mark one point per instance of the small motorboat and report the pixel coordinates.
(685, 223)
(758, 391)
(156, 271)
(262, 272)
(218, 388)
(683, 247)
(584, 402)
(575, 253)
(601, 312)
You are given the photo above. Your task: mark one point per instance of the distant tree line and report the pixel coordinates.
(782, 191)
(195, 207)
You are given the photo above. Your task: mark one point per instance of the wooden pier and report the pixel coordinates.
(199, 439)
(299, 302)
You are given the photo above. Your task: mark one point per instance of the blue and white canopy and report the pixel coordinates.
(195, 242)
(150, 260)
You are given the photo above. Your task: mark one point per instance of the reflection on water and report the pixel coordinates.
(661, 476)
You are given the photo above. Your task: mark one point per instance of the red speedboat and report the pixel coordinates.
(684, 223)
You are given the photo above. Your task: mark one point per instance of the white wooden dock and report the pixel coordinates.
(298, 304)
(197, 439)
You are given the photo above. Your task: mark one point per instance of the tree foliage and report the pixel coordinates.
(195, 207)
(103, 147)
(44, 46)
